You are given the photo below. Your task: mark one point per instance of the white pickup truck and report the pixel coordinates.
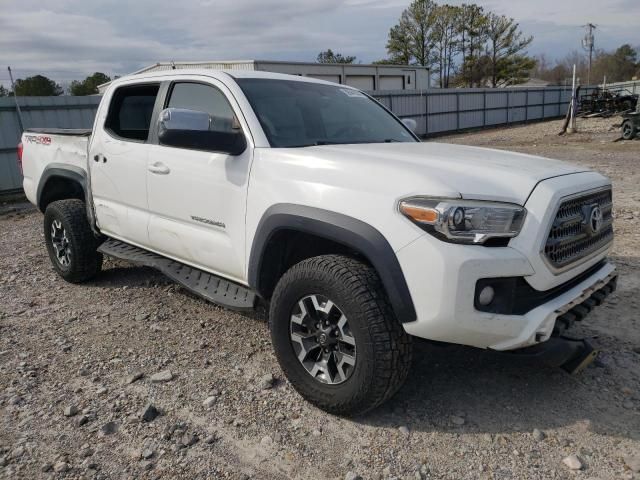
(313, 199)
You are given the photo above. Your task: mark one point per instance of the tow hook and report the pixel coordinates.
(582, 358)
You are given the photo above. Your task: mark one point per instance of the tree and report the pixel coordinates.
(398, 45)
(506, 50)
(411, 40)
(329, 57)
(445, 40)
(618, 66)
(37, 85)
(88, 86)
(472, 25)
(4, 92)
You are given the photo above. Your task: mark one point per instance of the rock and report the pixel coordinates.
(266, 441)
(573, 462)
(70, 411)
(538, 435)
(4, 461)
(146, 465)
(211, 439)
(150, 413)
(101, 390)
(82, 420)
(404, 430)
(147, 453)
(316, 433)
(633, 462)
(109, 428)
(352, 476)
(189, 439)
(163, 376)
(209, 402)
(267, 381)
(46, 467)
(85, 452)
(17, 452)
(134, 377)
(61, 467)
(457, 420)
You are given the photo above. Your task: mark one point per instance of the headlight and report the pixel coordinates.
(464, 221)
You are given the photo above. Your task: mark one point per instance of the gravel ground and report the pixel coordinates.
(129, 376)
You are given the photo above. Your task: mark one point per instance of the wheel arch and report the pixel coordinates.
(330, 231)
(60, 182)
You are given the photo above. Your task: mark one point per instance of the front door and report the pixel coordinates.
(197, 198)
(118, 157)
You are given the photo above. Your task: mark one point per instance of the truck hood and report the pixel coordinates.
(470, 172)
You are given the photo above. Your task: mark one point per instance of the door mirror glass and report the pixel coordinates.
(193, 129)
(411, 124)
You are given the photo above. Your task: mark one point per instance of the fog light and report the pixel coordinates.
(486, 296)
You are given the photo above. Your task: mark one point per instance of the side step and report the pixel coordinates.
(205, 285)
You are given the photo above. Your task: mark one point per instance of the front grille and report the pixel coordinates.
(576, 232)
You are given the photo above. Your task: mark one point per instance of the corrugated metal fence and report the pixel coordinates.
(435, 111)
(453, 109)
(53, 112)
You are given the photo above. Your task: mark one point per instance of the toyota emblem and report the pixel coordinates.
(595, 220)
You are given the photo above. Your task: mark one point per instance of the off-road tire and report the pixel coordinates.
(629, 130)
(85, 262)
(383, 347)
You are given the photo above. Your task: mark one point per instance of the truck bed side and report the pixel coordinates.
(48, 153)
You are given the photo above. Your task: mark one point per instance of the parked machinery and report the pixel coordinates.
(603, 102)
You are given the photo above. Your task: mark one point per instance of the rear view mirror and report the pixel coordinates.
(192, 129)
(411, 124)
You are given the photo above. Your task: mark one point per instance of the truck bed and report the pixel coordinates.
(52, 148)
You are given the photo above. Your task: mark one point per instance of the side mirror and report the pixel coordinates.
(192, 129)
(411, 124)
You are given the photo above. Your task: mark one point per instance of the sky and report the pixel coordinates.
(70, 39)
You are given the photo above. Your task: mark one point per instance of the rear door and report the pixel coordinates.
(118, 158)
(197, 198)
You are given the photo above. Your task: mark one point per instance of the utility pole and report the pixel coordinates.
(588, 44)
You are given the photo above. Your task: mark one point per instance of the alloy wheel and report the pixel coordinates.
(322, 339)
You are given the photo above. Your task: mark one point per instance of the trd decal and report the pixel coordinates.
(40, 140)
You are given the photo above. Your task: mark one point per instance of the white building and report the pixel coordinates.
(363, 76)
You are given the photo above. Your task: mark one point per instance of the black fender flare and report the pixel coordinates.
(348, 231)
(70, 172)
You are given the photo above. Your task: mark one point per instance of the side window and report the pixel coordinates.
(131, 110)
(204, 98)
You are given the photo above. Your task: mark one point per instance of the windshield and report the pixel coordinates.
(300, 114)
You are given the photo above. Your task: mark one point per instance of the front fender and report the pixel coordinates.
(348, 231)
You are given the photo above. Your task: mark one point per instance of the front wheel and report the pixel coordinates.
(71, 244)
(335, 335)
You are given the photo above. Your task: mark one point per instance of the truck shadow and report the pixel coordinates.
(496, 393)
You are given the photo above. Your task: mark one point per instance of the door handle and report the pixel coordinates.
(158, 168)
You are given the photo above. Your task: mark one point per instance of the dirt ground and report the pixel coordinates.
(76, 367)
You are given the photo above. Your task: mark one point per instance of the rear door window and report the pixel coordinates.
(131, 111)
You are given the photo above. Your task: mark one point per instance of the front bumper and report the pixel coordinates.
(442, 280)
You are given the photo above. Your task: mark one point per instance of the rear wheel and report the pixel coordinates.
(335, 335)
(629, 130)
(71, 244)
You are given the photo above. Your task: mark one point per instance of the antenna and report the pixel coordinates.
(588, 43)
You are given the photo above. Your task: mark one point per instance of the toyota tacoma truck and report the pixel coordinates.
(311, 198)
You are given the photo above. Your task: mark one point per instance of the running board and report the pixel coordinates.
(203, 284)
